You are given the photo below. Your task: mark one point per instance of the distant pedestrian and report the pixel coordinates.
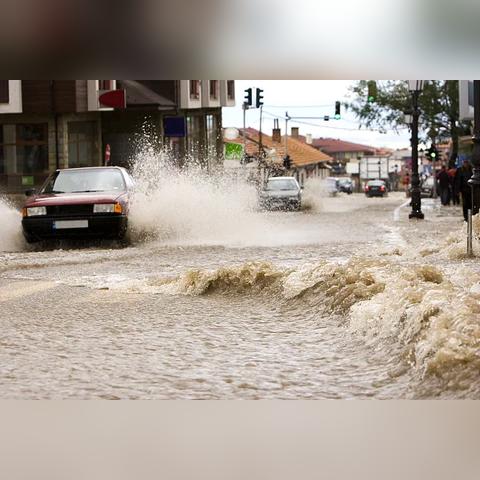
(444, 186)
(406, 183)
(463, 187)
(454, 195)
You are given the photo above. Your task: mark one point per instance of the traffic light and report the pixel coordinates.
(432, 153)
(372, 91)
(287, 163)
(326, 118)
(248, 97)
(337, 110)
(259, 99)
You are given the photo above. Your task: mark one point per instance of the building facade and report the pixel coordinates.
(50, 124)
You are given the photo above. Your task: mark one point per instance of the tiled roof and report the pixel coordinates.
(332, 145)
(300, 153)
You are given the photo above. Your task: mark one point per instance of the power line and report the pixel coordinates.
(272, 115)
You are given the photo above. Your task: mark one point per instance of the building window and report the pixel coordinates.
(4, 94)
(23, 153)
(211, 128)
(82, 144)
(231, 89)
(105, 84)
(194, 89)
(214, 84)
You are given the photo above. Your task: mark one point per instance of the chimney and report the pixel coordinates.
(308, 138)
(294, 132)
(276, 132)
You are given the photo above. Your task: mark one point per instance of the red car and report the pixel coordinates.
(79, 202)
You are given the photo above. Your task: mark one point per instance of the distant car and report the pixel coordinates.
(345, 185)
(331, 186)
(427, 187)
(79, 202)
(375, 188)
(281, 192)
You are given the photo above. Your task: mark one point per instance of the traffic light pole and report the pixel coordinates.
(244, 106)
(416, 198)
(475, 180)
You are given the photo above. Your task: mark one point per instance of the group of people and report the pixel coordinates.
(453, 184)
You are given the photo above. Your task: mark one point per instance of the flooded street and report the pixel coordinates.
(345, 299)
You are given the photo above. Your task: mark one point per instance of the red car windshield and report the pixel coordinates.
(81, 181)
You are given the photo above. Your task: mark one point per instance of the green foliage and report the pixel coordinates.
(438, 103)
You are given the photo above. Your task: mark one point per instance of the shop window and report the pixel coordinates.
(211, 128)
(82, 144)
(32, 148)
(194, 134)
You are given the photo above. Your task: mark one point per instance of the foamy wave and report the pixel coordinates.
(431, 315)
(249, 277)
(11, 238)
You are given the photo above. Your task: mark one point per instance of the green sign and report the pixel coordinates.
(28, 181)
(233, 151)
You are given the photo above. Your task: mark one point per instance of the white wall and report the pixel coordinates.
(15, 98)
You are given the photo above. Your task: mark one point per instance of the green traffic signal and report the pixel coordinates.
(337, 110)
(372, 91)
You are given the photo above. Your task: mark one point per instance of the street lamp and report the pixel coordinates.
(475, 179)
(415, 87)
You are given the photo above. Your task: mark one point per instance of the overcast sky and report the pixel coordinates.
(308, 98)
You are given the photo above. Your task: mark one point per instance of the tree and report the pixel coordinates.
(438, 104)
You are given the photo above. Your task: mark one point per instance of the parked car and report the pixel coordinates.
(79, 202)
(375, 188)
(331, 186)
(281, 192)
(345, 185)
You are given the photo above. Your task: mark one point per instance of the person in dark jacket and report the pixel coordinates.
(444, 186)
(454, 196)
(463, 187)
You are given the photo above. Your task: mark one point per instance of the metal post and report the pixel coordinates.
(416, 199)
(244, 106)
(260, 135)
(469, 234)
(475, 180)
(286, 133)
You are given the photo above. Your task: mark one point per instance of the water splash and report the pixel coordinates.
(11, 238)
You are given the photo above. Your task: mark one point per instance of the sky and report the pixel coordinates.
(308, 98)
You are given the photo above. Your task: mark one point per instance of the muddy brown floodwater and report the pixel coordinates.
(345, 299)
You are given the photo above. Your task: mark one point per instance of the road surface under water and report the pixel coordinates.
(345, 299)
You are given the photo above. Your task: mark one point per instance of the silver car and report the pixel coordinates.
(281, 192)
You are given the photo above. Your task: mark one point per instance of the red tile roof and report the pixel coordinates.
(300, 153)
(332, 145)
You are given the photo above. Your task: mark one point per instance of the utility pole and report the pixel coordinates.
(287, 118)
(244, 106)
(260, 136)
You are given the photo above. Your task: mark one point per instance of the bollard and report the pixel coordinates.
(469, 234)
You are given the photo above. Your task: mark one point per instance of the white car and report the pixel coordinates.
(281, 192)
